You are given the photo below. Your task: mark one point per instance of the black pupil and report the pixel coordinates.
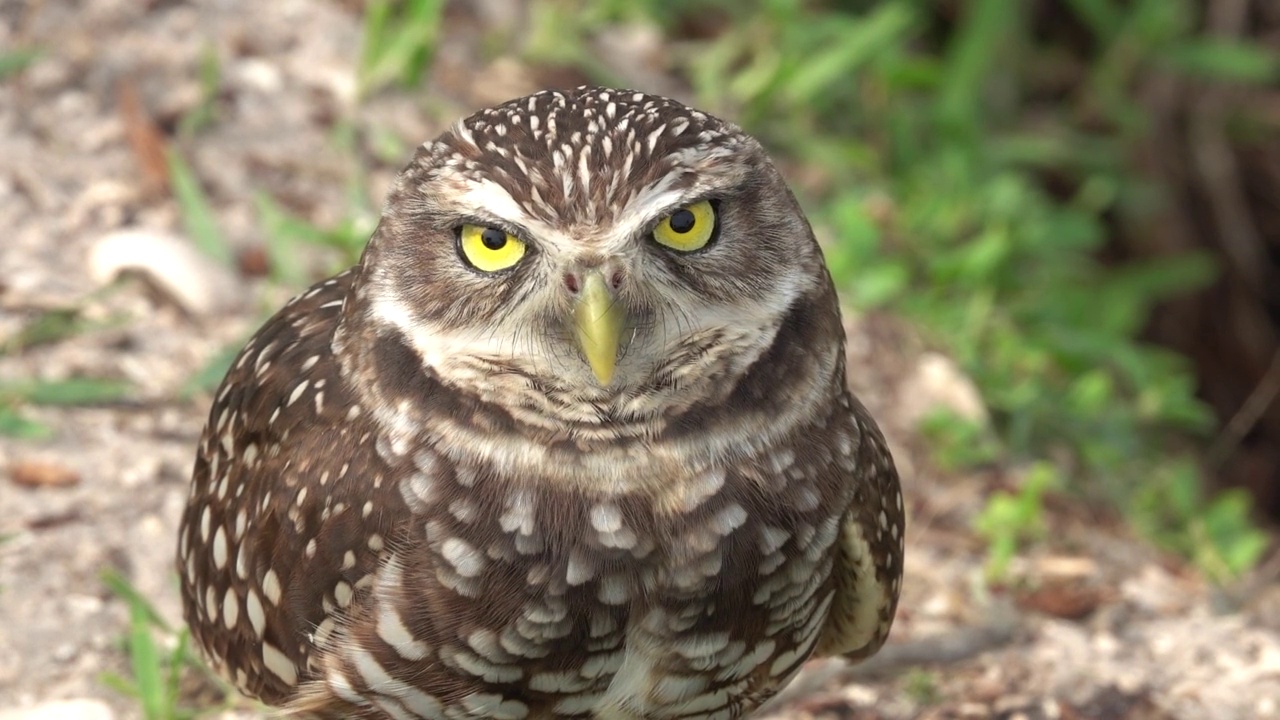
(493, 238)
(682, 221)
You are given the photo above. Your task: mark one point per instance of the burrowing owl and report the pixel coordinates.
(573, 439)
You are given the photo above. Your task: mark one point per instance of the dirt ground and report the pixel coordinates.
(1099, 625)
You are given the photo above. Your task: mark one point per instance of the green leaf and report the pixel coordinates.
(1231, 532)
(205, 112)
(13, 424)
(399, 39)
(75, 391)
(123, 589)
(146, 664)
(982, 34)
(1092, 392)
(119, 683)
(12, 63)
(197, 215)
(1235, 60)
(1102, 17)
(176, 660)
(887, 25)
(49, 326)
(148, 683)
(208, 377)
(284, 233)
(878, 284)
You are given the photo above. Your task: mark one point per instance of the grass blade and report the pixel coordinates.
(14, 425)
(211, 374)
(48, 327)
(1227, 60)
(175, 666)
(398, 46)
(146, 663)
(12, 63)
(884, 27)
(197, 215)
(121, 588)
(74, 391)
(119, 683)
(982, 34)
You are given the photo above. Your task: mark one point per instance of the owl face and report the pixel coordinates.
(619, 251)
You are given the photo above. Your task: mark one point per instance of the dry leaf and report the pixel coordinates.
(145, 139)
(42, 473)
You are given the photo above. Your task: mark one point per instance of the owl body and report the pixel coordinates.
(425, 492)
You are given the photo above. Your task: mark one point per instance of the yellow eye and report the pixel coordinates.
(489, 249)
(687, 229)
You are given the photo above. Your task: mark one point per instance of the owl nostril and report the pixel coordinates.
(615, 280)
(571, 282)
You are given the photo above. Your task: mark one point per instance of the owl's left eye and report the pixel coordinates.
(689, 228)
(489, 249)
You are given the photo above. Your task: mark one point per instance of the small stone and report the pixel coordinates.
(260, 75)
(938, 383)
(1066, 567)
(64, 652)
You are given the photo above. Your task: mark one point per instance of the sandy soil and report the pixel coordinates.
(1100, 625)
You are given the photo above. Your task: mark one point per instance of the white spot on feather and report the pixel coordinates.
(279, 664)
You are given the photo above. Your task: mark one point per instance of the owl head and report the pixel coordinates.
(594, 254)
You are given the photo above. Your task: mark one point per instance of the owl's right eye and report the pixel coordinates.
(489, 249)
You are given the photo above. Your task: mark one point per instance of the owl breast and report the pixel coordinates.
(698, 601)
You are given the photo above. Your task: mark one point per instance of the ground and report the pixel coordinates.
(1092, 623)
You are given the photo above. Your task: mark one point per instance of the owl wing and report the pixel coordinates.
(869, 550)
(291, 505)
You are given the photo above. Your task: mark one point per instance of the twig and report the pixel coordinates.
(1216, 165)
(1252, 410)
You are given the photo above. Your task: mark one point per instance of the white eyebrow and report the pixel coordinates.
(486, 197)
(651, 202)
(639, 209)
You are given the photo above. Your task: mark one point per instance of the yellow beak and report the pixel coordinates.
(598, 319)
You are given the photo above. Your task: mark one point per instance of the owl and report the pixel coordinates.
(572, 440)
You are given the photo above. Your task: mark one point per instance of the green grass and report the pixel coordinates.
(50, 327)
(205, 113)
(158, 655)
(198, 216)
(46, 328)
(922, 687)
(14, 62)
(1012, 519)
(399, 41)
(84, 391)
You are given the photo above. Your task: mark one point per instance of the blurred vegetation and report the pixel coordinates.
(969, 178)
(399, 38)
(1011, 519)
(11, 62)
(158, 655)
(17, 396)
